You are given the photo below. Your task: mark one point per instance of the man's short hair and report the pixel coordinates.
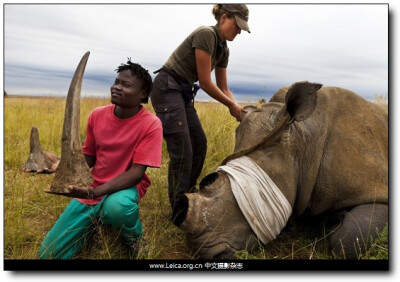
(140, 73)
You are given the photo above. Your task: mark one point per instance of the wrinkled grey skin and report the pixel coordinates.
(330, 156)
(217, 227)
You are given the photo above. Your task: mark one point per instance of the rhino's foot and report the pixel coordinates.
(359, 227)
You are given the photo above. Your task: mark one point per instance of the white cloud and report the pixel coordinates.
(340, 45)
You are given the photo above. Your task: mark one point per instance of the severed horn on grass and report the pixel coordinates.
(72, 169)
(38, 160)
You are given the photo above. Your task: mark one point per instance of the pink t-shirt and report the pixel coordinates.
(117, 143)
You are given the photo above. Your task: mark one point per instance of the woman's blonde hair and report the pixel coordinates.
(218, 11)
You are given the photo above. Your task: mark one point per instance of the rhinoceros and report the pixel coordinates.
(317, 150)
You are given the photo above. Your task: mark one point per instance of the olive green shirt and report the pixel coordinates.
(206, 38)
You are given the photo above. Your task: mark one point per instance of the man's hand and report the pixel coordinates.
(81, 192)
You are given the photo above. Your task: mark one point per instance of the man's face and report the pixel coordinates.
(126, 90)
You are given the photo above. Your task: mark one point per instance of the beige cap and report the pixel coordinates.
(241, 14)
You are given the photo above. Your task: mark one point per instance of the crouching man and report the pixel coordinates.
(122, 140)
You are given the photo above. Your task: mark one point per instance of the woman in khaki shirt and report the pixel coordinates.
(172, 97)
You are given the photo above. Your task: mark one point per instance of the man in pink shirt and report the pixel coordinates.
(122, 140)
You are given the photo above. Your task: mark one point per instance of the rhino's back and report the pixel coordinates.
(354, 163)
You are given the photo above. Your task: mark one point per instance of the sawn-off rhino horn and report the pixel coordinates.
(72, 168)
(36, 162)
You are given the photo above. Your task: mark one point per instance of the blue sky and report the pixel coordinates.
(334, 44)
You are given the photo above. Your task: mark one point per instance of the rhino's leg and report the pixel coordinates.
(358, 228)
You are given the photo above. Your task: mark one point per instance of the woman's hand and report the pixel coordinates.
(236, 111)
(221, 93)
(81, 192)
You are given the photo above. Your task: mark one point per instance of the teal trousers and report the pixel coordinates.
(74, 226)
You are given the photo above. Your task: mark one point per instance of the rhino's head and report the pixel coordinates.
(213, 222)
(212, 219)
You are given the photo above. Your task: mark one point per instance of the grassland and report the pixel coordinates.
(29, 212)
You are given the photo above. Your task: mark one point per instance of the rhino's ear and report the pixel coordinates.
(249, 110)
(301, 100)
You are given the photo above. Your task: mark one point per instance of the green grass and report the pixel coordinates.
(29, 213)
